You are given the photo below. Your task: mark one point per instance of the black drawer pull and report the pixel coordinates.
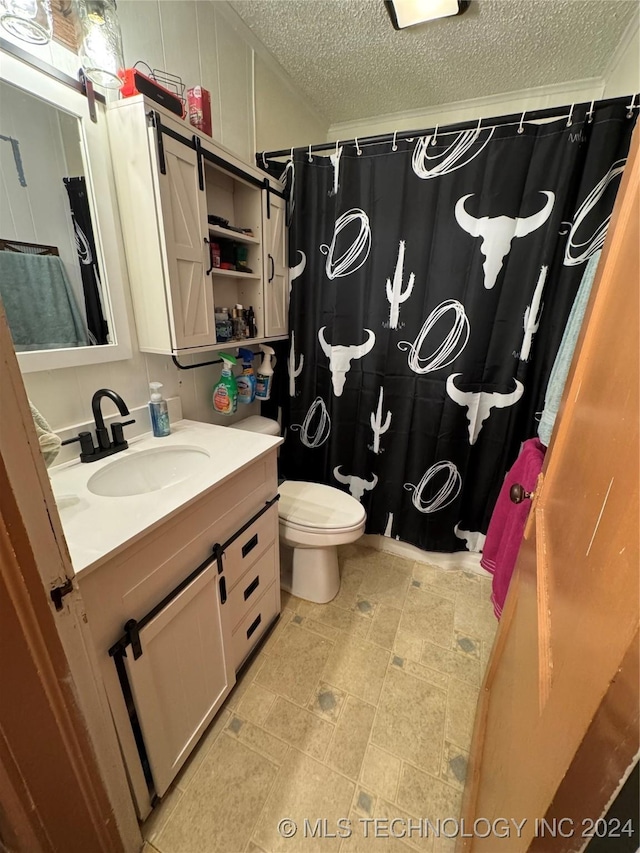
(250, 545)
(253, 586)
(223, 590)
(254, 625)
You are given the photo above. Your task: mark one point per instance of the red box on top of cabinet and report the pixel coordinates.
(199, 101)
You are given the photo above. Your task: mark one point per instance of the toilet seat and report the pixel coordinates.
(316, 508)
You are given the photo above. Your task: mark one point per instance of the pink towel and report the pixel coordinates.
(508, 521)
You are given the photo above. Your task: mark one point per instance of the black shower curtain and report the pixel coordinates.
(87, 258)
(431, 286)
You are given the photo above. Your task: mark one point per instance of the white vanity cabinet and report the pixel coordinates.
(174, 614)
(170, 179)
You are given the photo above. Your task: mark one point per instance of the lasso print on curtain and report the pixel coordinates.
(430, 289)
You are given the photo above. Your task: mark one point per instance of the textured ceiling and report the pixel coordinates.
(351, 63)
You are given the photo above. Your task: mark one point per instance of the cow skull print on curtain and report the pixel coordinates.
(430, 289)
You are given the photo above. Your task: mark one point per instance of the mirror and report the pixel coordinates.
(61, 262)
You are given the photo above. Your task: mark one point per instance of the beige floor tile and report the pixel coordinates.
(256, 703)
(295, 663)
(388, 579)
(149, 848)
(475, 618)
(253, 848)
(452, 662)
(350, 580)
(304, 789)
(277, 631)
(462, 700)
(219, 810)
(424, 572)
(470, 646)
(423, 794)
(254, 737)
(408, 646)
(408, 826)
(429, 616)
(366, 838)
(245, 679)
(424, 673)
(334, 617)
(157, 820)
(300, 728)
(364, 802)
(384, 626)
(318, 628)
(445, 583)
(454, 765)
(198, 755)
(357, 667)
(380, 772)
(327, 701)
(410, 720)
(351, 736)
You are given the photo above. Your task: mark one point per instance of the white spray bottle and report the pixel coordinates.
(264, 374)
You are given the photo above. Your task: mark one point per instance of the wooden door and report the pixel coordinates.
(184, 219)
(182, 677)
(569, 630)
(276, 272)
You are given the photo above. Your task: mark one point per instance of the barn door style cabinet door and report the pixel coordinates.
(202, 231)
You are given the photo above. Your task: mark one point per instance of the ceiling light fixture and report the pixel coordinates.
(408, 13)
(100, 41)
(28, 20)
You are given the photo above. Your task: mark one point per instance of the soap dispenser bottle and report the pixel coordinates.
(159, 411)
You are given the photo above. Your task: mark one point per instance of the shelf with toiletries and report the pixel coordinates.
(202, 229)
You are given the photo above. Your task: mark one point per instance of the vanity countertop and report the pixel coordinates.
(95, 527)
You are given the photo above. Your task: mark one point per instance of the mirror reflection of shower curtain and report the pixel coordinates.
(85, 244)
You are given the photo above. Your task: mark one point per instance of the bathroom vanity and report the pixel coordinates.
(175, 547)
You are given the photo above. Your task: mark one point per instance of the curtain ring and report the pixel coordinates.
(520, 126)
(478, 127)
(264, 162)
(358, 147)
(291, 155)
(631, 107)
(570, 119)
(394, 147)
(309, 157)
(337, 143)
(435, 135)
(590, 113)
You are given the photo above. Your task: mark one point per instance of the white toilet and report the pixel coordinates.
(314, 520)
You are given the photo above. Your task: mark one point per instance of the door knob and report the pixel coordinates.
(518, 494)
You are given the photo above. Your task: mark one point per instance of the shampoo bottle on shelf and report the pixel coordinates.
(264, 375)
(246, 382)
(159, 411)
(225, 393)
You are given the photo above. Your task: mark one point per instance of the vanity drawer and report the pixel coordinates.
(255, 623)
(251, 586)
(243, 552)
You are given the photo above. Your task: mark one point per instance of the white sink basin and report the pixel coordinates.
(147, 471)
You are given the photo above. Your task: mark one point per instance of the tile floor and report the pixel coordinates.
(361, 708)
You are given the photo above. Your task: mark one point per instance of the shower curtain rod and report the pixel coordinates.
(498, 121)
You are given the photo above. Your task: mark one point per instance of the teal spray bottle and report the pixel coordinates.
(246, 381)
(225, 393)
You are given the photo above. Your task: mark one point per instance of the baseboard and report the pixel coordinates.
(466, 560)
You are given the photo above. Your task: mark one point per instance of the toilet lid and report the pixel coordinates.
(313, 505)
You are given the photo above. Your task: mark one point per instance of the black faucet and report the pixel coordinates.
(89, 453)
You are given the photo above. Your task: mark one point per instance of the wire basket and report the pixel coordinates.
(168, 81)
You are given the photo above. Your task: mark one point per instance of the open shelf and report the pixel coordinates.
(217, 230)
(234, 273)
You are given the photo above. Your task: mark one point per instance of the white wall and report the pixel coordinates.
(476, 108)
(623, 75)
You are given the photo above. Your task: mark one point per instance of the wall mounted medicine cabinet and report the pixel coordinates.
(203, 230)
